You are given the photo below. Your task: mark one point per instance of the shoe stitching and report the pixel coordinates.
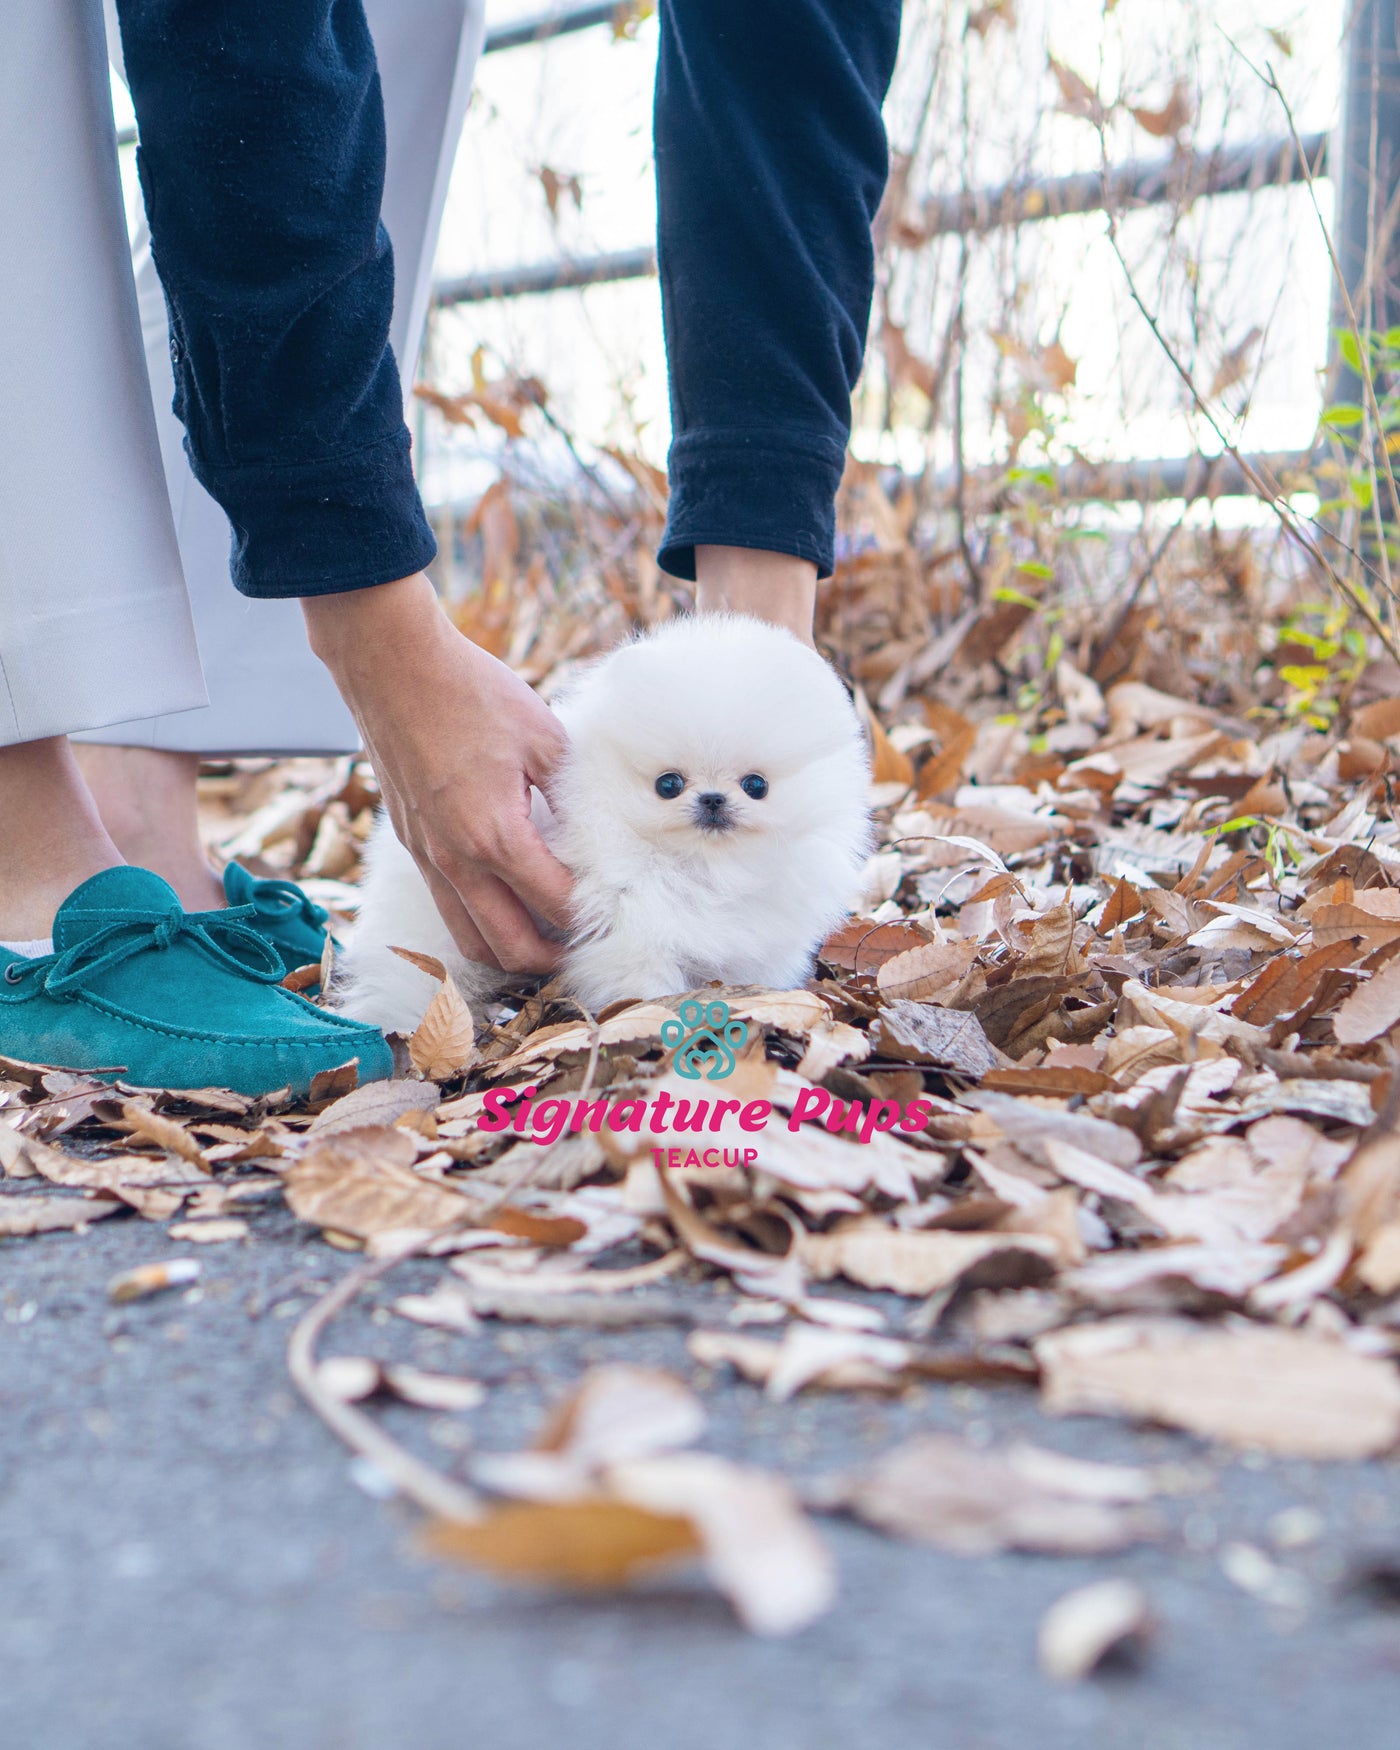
(339, 1024)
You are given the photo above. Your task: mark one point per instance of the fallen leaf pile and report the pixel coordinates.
(1138, 952)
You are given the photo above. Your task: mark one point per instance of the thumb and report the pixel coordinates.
(546, 753)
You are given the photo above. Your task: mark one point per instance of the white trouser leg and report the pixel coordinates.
(94, 622)
(268, 693)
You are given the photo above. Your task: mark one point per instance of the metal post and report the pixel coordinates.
(1367, 179)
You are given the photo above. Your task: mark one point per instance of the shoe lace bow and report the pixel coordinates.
(274, 898)
(223, 936)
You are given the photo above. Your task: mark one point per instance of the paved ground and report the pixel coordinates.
(187, 1564)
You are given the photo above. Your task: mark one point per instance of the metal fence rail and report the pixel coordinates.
(540, 27)
(546, 276)
(1226, 170)
(1141, 480)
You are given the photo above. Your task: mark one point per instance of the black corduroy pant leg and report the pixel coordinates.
(262, 165)
(771, 161)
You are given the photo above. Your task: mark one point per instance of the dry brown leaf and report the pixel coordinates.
(758, 1547)
(1237, 361)
(350, 1378)
(830, 1043)
(622, 1412)
(875, 1255)
(1124, 903)
(1372, 1008)
(948, 1039)
(633, 1025)
(1150, 760)
(778, 1278)
(538, 1229)
(940, 776)
(862, 946)
(1355, 922)
(155, 1188)
(904, 366)
(598, 1542)
(887, 764)
(1378, 721)
(443, 1044)
(433, 1391)
(1283, 984)
(573, 1280)
(1048, 1078)
(448, 1308)
(1194, 1023)
(938, 1489)
(375, 1103)
(1077, 96)
(927, 972)
(1005, 833)
(1031, 1124)
(149, 1126)
(330, 1084)
(611, 1499)
(1173, 116)
(787, 1011)
(1379, 1264)
(556, 183)
(353, 1378)
(1281, 1390)
(838, 1358)
(1370, 1182)
(1045, 944)
(1118, 1281)
(361, 1182)
(808, 1355)
(812, 1159)
(28, 1213)
(1048, 370)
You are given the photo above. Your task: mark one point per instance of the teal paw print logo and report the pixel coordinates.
(705, 1040)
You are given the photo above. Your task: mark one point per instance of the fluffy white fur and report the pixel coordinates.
(670, 893)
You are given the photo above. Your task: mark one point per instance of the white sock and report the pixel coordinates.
(35, 950)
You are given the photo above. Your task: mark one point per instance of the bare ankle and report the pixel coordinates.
(53, 838)
(775, 587)
(148, 800)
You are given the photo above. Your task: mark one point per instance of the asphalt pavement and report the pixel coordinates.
(189, 1560)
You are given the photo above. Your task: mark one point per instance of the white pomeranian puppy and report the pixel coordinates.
(712, 807)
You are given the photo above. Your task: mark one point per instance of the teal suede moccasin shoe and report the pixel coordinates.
(282, 915)
(164, 998)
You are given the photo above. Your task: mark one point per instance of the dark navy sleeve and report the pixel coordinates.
(771, 160)
(261, 160)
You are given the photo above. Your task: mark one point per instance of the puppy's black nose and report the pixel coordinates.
(711, 802)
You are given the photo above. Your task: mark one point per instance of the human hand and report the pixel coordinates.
(456, 739)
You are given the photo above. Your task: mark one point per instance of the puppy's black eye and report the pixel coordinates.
(754, 786)
(670, 785)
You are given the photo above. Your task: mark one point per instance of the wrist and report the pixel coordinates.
(366, 625)
(776, 587)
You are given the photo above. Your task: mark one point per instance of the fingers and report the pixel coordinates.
(483, 857)
(466, 821)
(533, 872)
(455, 915)
(490, 924)
(547, 749)
(510, 931)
